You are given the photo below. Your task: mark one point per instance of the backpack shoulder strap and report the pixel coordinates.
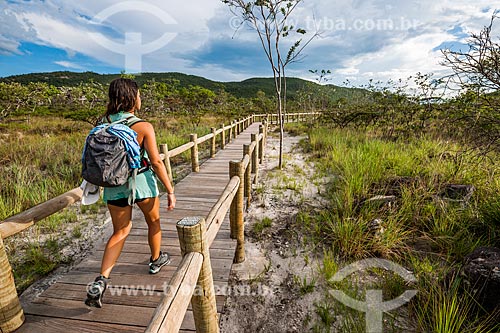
(132, 120)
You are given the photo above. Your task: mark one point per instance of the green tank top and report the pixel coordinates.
(146, 184)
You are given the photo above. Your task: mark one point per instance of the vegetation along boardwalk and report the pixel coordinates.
(187, 294)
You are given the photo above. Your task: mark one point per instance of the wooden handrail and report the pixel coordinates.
(245, 161)
(173, 305)
(205, 138)
(181, 149)
(24, 220)
(219, 210)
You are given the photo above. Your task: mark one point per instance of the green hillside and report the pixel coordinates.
(247, 88)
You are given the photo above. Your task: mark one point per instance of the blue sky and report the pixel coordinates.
(359, 40)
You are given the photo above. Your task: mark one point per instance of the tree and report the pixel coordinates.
(477, 74)
(269, 18)
(321, 76)
(196, 100)
(13, 97)
(159, 97)
(479, 67)
(85, 102)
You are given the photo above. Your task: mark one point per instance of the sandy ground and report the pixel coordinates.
(277, 269)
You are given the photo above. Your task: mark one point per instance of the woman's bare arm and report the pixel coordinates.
(146, 136)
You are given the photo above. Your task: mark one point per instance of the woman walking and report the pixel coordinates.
(124, 101)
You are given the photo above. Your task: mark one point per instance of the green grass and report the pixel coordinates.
(265, 223)
(57, 221)
(444, 309)
(419, 228)
(304, 284)
(36, 263)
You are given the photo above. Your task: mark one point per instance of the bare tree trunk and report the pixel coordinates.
(282, 117)
(280, 124)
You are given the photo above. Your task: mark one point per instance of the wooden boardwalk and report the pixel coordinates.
(133, 294)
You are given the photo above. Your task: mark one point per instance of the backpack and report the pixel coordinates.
(111, 154)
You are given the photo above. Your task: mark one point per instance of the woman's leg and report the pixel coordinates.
(121, 217)
(150, 207)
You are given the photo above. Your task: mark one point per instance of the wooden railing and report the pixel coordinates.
(195, 234)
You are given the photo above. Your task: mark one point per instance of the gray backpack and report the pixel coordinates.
(112, 154)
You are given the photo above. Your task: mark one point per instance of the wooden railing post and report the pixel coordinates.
(236, 212)
(195, 164)
(255, 157)
(223, 138)
(11, 313)
(191, 232)
(248, 175)
(261, 144)
(166, 161)
(266, 126)
(230, 136)
(213, 142)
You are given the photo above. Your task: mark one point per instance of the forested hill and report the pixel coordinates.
(247, 88)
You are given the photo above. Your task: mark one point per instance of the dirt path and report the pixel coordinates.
(274, 289)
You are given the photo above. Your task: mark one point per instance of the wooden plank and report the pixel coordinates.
(43, 324)
(143, 259)
(76, 292)
(168, 225)
(220, 273)
(143, 232)
(174, 251)
(167, 231)
(109, 314)
(138, 280)
(183, 203)
(217, 244)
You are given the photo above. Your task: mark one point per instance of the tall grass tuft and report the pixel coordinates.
(387, 199)
(449, 309)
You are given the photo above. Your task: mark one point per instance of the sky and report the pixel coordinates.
(356, 40)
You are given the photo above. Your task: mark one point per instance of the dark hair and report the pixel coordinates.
(122, 95)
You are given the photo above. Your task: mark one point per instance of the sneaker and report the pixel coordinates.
(156, 265)
(95, 292)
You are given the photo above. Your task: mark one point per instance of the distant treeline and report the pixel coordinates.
(245, 89)
(82, 96)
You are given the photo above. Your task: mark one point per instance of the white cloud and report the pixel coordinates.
(391, 53)
(68, 64)
(399, 60)
(70, 25)
(361, 51)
